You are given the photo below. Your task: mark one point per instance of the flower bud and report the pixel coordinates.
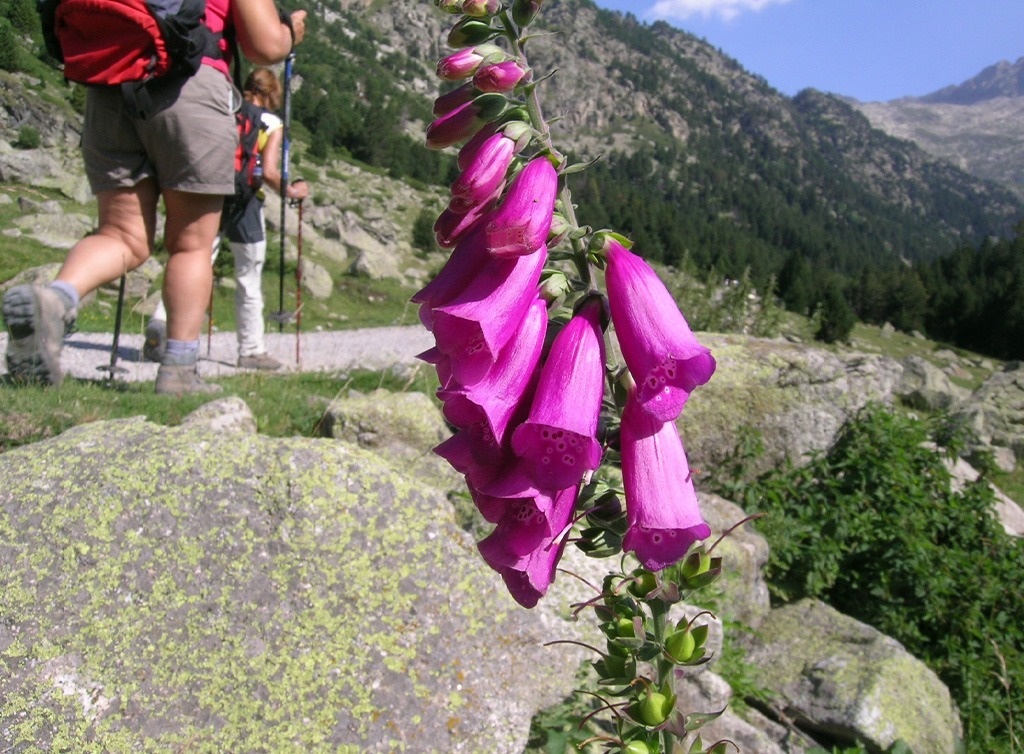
(680, 645)
(450, 100)
(481, 8)
(522, 222)
(554, 284)
(560, 228)
(499, 77)
(462, 64)
(636, 747)
(525, 11)
(470, 31)
(655, 708)
(464, 121)
(485, 174)
(696, 563)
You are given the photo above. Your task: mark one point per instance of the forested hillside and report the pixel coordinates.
(705, 165)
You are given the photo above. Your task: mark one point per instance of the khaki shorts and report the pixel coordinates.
(188, 144)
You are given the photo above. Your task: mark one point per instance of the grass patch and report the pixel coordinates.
(284, 405)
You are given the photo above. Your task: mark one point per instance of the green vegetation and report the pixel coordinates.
(873, 529)
(284, 405)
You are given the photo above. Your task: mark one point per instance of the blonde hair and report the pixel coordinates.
(263, 82)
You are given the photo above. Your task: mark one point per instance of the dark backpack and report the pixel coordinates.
(128, 43)
(248, 162)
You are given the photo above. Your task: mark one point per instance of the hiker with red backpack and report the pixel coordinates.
(243, 223)
(159, 124)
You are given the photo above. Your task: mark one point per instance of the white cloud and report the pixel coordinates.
(725, 9)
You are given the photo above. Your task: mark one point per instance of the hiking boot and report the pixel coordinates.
(156, 341)
(36, 319)
(259, 361)
(178, 379)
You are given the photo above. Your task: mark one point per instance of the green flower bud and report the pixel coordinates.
(681, 645)
(696, 563)
(655, 708)
(450, 6)
(644, 583)
(469, 32)
(554, 284)
(525, 11)
(636, 747)
(624, 627)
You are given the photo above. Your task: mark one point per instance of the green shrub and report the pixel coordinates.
(873, 529)
(28, 138)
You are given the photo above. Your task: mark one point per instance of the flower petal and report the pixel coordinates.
(558, 438)
(662, 514)
(660, 350)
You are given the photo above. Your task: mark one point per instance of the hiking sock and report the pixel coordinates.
(68, 293)
(181, 352)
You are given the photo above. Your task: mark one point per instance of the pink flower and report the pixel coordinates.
(452, 225)
(462, 64)
(558, 438)
(481, 8)
(473, 327)
(468, 150)
(522, 221)
(662, 514)
(485, 175)
(457, 450)
(512, 485)
(468, 258)
(529, 576)
(660, 351)
(499, 77)
(495, 399)
(450, 100)
(464, 121)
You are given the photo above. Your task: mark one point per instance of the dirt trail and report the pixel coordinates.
(86, 355)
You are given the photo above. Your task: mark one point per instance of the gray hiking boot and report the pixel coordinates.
(178, 379)
(36, 319)
(156, 341)
(259, 361)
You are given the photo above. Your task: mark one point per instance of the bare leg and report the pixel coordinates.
(124, 240)
(192, 223)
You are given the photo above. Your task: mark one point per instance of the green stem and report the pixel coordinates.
(665, 667)
(533, 110)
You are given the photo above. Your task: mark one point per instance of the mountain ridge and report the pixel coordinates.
(974, 125)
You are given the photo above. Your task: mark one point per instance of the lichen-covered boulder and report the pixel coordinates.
(182, 589)
(996, 409)
(794, 397)
(833, 675)
(926, 387)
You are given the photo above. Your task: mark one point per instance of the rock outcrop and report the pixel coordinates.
(164, 586)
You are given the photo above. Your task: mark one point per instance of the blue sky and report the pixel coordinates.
(867, 49)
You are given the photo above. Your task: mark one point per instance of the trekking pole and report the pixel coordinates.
(112, 368)
(285, 150)
(209, 308)
(298, 286)
(209, 324)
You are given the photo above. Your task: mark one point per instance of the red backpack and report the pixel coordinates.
(248, 162)
(128, 42)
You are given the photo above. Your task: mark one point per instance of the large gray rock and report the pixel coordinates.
(836, 676)
(925, 386)
(996, 409)
(168, 589)
(797, 398)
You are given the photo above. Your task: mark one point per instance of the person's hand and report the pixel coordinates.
(298, 190)
(299, 24)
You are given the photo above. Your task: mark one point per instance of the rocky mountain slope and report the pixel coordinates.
(975, 125)
(736, 158)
